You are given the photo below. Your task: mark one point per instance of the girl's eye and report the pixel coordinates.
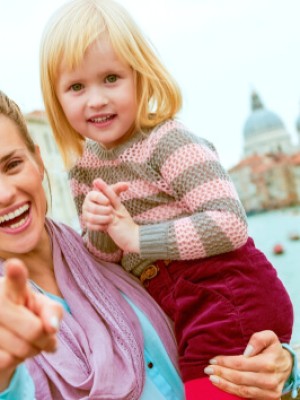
(111, 78)
(76, 87)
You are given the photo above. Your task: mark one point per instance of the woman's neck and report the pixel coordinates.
(41, 268)
(39, 263)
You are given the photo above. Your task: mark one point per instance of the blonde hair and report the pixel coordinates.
(70, 31)
(11, 110)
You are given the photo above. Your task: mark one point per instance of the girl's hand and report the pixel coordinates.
(97, 212)
(115, 219)
(97, 209)
(258, 374)
(28, 321)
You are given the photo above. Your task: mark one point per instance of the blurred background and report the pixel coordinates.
(238, 65)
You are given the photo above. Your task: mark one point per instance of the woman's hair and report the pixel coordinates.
(11, 110)
(70, 31)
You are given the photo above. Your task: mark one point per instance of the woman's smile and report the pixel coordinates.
(15, 221)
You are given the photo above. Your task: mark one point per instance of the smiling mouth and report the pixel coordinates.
(16, 218)
(103, 119)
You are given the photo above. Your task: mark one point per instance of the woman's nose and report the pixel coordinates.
(7, 192)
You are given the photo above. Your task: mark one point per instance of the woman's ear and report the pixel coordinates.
(39, 160)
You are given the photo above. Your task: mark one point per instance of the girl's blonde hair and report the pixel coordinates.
(70, 31)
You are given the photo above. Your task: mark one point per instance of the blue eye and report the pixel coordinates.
(76, 87)
(111, 78)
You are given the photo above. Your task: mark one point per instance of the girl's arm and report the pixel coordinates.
(211, 219)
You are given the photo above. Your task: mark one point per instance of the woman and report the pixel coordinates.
(105, 337)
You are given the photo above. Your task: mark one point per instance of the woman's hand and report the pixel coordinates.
(28, 321)
(258, 374)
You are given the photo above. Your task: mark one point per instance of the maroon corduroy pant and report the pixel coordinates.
(217, 303)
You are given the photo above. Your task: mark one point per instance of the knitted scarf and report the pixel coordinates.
(100, 353)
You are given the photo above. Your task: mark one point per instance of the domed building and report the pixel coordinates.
(268, 176)
(264, 132)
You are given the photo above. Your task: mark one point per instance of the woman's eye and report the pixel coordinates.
(76, 87)
(111, 78)
(13, 164)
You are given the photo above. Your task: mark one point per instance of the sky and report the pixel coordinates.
(219, 51)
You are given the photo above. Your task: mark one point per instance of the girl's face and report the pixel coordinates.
(98, 97)
(22, 197)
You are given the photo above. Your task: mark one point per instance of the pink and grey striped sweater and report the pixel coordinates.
(179, 195)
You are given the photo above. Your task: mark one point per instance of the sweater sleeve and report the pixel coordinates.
(98, 243)
(212, 220)
(21, 386)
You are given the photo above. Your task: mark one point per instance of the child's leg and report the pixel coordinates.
(217, 303)
(203, 389)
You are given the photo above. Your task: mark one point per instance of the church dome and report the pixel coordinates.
(261, 120)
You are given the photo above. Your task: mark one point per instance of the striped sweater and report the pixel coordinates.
(180, 196)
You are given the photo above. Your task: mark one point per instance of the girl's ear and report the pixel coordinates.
(39, 160)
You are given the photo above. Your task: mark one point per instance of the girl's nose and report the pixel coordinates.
(97, 98)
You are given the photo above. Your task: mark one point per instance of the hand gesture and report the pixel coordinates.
(258, 374)
(28, 321)
(103, 211)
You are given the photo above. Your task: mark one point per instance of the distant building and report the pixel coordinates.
(268, 176)
(264, 132)
(60, 203)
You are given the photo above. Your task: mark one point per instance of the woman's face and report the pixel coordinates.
(22, 197)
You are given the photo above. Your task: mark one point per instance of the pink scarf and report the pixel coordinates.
(100, 353)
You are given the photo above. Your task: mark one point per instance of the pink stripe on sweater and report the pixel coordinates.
(160, 213)
(138, 190)
(186, 157)
(165, 129)
(78, 188)
(213, 190)
(91, 161)
(188, 241)
(235, 229)
(111, 257)
(140, 152)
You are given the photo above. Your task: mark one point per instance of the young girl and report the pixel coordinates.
(179, 227)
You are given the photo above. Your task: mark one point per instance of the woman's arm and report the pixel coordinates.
(28, 321)
(21, 386)
(259, 374)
